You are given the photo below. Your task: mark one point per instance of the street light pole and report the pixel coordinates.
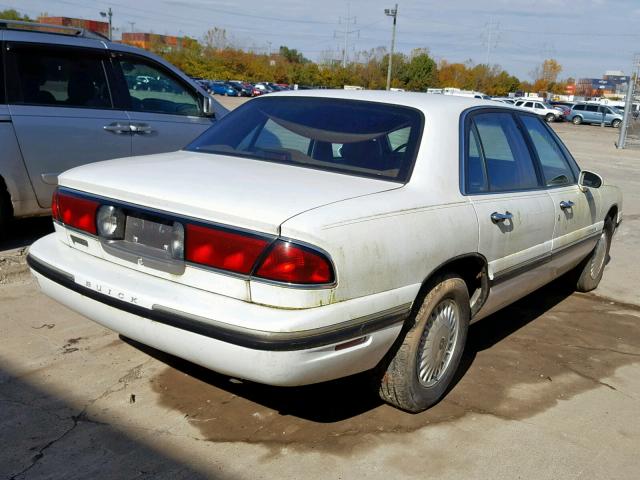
(109, 14)
(391, 13)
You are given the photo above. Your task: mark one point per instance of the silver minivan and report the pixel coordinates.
(73, 97)
(590, 113)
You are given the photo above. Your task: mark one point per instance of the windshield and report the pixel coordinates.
(345, 136)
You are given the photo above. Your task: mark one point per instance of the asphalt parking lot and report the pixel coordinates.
(550, 388)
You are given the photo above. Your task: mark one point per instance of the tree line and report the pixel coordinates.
(216, 57)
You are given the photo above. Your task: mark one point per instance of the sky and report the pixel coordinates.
(587, 37)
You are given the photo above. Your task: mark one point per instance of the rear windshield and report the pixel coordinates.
(345, 136)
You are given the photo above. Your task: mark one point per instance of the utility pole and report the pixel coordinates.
(132, 24)
(109, 14)
(391, 13)
(633, 79)
(491, 40)
(348, 20)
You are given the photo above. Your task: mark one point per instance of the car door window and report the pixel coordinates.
(592, 108)
(154, 90)
(539, 105)
(555, 169)
(57, 77)
(509, 165)
(528, 105)
(579, 108)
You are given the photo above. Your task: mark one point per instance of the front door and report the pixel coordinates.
(575, 210)
(62, 111)
(164, 111)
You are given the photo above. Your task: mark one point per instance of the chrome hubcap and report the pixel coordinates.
(438, 342)
(599, 256)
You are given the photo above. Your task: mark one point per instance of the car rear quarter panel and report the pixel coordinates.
(387, 241)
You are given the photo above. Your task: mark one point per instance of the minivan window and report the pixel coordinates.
(56, 77)
(592, 108)
(153, 90)
(579, 107)
(345, 136)
(506, 155)
(555, 169)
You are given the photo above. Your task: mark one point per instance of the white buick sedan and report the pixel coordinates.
(313, 235)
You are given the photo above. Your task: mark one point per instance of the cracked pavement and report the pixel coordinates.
(550, 388)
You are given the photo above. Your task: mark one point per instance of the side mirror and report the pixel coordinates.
(589, 179)
(207, 106)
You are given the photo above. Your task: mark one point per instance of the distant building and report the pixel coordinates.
(154, 41)
(94, 25)
(612, 83)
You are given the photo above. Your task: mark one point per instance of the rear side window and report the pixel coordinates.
(555, 168)
(503, 154)
(592, 108)
(56, 77)
(346, 136)
(579, 108)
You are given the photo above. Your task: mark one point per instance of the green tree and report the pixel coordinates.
(292, 55)
(420, 73)
(13, 14)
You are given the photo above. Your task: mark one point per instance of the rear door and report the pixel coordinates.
(166, 113)
(515, 213)
(574, 210)
(591, 114)
(62, 110)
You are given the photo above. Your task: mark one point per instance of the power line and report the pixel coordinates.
(347, 21)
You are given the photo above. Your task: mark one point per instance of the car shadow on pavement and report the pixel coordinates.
(23, 232)
(344, 398)
(45, 436)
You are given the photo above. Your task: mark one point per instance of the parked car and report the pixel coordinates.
(549, 113)
(288, 248)
(74, 98)
(590, 113)
(510, 101)
(221, 88)
(244, 89)
(263, 88)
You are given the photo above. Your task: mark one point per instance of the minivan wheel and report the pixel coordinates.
(591, 269)
(616, 123)
(550, 117)
(577, 120)
(421, 366)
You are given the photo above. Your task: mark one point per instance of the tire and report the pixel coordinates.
(549, 117)
(616, 123)
(577, 120)
(432, 346)
(591, 269)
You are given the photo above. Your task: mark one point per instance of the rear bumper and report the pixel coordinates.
(152, 311)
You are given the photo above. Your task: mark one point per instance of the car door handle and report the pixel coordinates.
(501, 217)
(566, 204)
(117, 127)
(141, 128)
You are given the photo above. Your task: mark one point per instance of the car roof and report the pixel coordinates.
(430, 104)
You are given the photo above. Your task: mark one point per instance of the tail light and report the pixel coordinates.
(223, 249)
(55, 210)
(291, 263)
(75, 211)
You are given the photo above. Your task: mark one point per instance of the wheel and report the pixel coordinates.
(549, 117)
(418, 370)
(577, 120)
(616, 123)
(589, 272)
